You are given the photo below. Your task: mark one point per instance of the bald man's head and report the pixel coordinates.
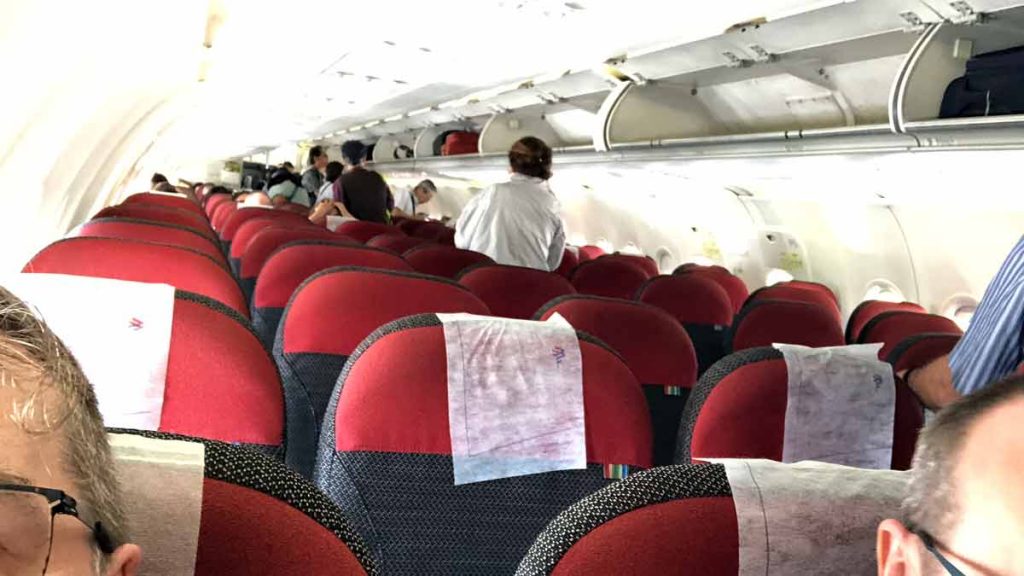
(965, 492)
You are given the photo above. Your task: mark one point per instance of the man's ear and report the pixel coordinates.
(125, 561)
(897, 550)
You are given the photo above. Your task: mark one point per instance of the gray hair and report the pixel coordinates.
(932, 503)
(52, 395)
(427, 185)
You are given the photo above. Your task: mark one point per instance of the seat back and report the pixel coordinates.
(362, 231)
(891, 328)
(221, 214)
(684, 520)
(255, 516)
(290, 265)
(221, 384)
(654, 346)
(920, 350)
(738, 410)
(868, 309)
(814, 286)
(326, 319)
(395, 243)
(732, 284)
(250, 228)
(166, 200)
(269, 239)
(150, 231)
(429, 230)
(796, 293)
(141, 262)
(163, 214)
(569, 263)
(213, 202)
(385, 457)
(514, 291)
(443, 261)
(767, 322)
(645, 263)
(700, 304)
(587, 253)
(410, 226)
(242, 215)
(608, 277)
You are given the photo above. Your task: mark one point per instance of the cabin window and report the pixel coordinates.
(632, 249)
(960, 309)
(885, 291)
(666, 262)
(777, 275)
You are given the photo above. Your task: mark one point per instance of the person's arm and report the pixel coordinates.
(557, 250)
(463, 231)
(933, 384)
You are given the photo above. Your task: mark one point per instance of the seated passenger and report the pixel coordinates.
(255, 199)
(55, 454)
(992, 348)
(331, 174)
(964, 510)
(157, 178)
(517, 223)
(407, 202)
(286, 187)
(364, 192)
(313, 177)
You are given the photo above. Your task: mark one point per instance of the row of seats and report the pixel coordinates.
(361, 404)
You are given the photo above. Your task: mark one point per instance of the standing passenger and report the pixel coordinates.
(313, 177)
(363, 192)
(517, 223)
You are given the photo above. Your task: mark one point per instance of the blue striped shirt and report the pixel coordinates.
(992, 346)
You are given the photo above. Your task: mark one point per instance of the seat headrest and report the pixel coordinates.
(371, 408)
(269, 239)
(732, 284)
(868, 309)
(443, 261)
(514, 291)
(362, 231)
(798, 293)
(610, 278)
(690, 298)
(767, 322)
(395, 243)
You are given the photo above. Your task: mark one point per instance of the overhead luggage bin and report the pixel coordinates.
(945, 60)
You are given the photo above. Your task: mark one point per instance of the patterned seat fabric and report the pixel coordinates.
(868, 309)
(514, 291)
(259, 518)
(891, 328)
(221, 384)
(767, 322)
(327, 318)
(609, 277)
(291, 264)
(654, 346)
(141, 262)
(149, 231)
(669, 521)
(738, 410)
(732, 284)
(700, 304)
(444, 261)
(385, 457)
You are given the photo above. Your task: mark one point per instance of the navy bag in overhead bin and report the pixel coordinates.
(992, 86)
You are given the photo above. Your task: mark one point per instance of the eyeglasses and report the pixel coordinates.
(932, 546)
(26, 527)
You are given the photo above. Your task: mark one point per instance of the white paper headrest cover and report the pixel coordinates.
(162, 482)
(120, 333)
(810, 517)
(841, 406)
(515, 397)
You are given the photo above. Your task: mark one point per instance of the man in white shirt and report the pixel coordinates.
(517, 223)
(406, 203)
